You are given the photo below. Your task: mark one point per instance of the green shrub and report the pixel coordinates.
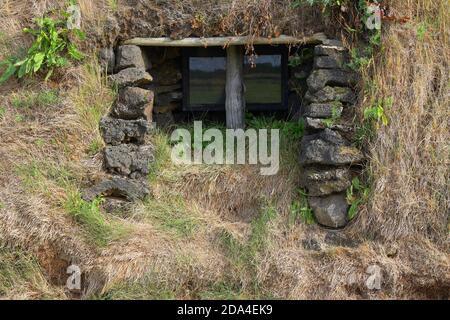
(52, 48)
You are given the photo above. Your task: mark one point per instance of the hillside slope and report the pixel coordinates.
(222, 232)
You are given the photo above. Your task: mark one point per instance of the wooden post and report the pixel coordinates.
(235, 99)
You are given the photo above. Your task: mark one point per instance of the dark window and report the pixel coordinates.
(204, 76)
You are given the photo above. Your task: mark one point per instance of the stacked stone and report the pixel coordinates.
(326, 155)
(167, 76)
(127, 155)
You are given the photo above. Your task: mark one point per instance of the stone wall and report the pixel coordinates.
(320, 91)
(326, 154)
(128, 154)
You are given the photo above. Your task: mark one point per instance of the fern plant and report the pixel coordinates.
(52, 48)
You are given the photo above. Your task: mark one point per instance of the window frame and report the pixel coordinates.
(220, 52)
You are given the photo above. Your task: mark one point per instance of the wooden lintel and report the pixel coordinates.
(225, 41)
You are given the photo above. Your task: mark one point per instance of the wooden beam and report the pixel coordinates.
(235, 99)
(224, 41)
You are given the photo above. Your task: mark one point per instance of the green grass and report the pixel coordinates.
(44, 177)
(162, 155)
(300, 210)
(245, 255)
(223, 291)
(35, 100)
(2, 112)
(95, 146)
(89, 215)
(20, 273)
(172, 215)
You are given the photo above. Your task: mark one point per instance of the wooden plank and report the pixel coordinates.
(224, 41)
(235, 99)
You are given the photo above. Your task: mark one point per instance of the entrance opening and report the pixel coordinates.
(264, 77)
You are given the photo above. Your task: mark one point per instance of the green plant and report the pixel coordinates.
(297, 59)
(89, 215)
(357, 194)
(95, 146)
(289, 130)
(300, 210)
(335, 116)
(373, 118)
(52, 48)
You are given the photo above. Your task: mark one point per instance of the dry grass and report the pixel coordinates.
(409, 160)
(228, 233)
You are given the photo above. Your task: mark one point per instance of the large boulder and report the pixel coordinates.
(328, 148)
(324, 110)
(328, 94)
(107, 60)
(129, 159)
(118, 131)
(129, 56)
(131, 77)
(129, 189)
(321, 78)
(321, 182)
(330, 211)
(134, 103)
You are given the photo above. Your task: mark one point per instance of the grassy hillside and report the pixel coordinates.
(224, 232)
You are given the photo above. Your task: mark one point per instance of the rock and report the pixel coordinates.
(312, 124)
(118, 187)
(164, 120)
(129, 56)
(327, 62)
(107, 59)
(330, 50)
(328, 148)
(330, 211)
(333, 42)
(118, 131)
(131, 77)
(320, 182)
(327, 94)
(129, 159)
(168, 73)
(332, 77)
(324, 110)
(134, 103)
